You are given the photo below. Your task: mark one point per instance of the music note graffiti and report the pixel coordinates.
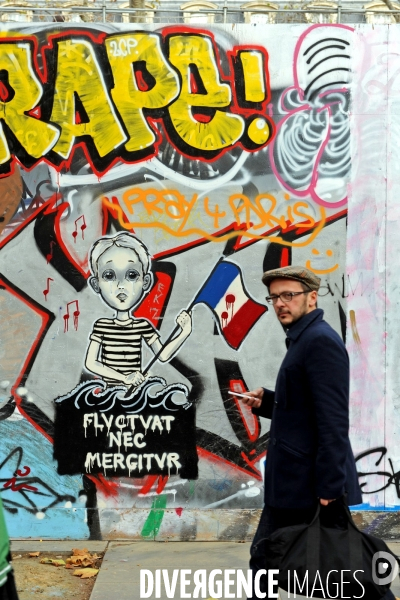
(75, 314)
(83, 227)
(46, 291)
(50, 255)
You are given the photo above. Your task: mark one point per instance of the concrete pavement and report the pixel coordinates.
(119, 576)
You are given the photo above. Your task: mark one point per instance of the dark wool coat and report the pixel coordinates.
(309, 454)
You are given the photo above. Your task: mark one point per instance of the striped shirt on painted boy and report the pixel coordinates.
(121, 344)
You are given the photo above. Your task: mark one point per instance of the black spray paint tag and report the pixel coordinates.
(98, 430)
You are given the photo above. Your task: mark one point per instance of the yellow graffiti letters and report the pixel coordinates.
(254, 84)
(128, 96)
(183, 216)
(133, 58)
(215, 213)
(255, 215)
(309, 222)
(78, 74)
(240, 203)
(154, 206)
(213, 129)
(35, 136)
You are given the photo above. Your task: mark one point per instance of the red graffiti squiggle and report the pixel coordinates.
(50, 255)
(16, 487)
(47, 319)
(108, 487)
(249, 420)
(218, 459)
(111, 214)
(153, 305)
(150, 481)
(75, 314)
(230, 301)
(83, 227)
(46, 291)
(162, 482)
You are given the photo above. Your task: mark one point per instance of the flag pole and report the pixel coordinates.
(175, 330)
(157, 355)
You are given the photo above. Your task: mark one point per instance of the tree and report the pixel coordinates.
(391, 6)
(138, 17)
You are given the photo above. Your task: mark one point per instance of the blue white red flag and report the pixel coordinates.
(235, 311)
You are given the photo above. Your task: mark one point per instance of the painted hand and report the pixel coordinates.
(254, 398)
(134, 378)
(184, 320)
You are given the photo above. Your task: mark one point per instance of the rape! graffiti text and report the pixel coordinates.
(106, 93)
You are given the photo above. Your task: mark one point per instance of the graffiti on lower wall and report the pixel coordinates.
(148, 178)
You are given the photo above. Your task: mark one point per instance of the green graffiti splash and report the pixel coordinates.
(153, 521)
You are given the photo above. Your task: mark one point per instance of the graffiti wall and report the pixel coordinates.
(148, 177)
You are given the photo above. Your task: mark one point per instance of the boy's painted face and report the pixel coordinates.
(120, 279)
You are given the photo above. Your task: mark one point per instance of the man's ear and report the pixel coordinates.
(147, 281)
(94, 283)
(314, 296)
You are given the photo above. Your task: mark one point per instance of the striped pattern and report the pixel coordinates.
(121, 343)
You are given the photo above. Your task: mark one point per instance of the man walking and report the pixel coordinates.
(309, 458)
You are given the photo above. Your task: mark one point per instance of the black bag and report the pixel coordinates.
(325, 562)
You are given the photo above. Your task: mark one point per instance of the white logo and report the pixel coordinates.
(385, 568)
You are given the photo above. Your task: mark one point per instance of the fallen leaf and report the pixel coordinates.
(56, 562)
(88, 561)
(89, 573)
(33, 554)
(74, 560)
(78, 552)
(85, 573)
(82, 561)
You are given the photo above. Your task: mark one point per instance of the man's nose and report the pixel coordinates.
(279, 303)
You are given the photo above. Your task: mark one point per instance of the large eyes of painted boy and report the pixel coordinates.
(130, 275)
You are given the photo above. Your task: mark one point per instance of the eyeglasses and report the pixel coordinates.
(285, 297)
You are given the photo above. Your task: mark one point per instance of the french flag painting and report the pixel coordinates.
(225, 294)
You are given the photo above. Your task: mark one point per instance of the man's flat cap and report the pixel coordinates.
(296, 273)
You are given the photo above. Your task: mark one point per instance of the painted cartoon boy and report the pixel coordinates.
(122, 276)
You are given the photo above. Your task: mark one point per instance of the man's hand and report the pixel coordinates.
(135, 378)
(254, 398)
(326, 502)
(184, 320)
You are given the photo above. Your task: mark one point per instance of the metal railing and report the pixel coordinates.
(119, 12)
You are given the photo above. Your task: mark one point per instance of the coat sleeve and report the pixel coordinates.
(267, 405)
(327, 366)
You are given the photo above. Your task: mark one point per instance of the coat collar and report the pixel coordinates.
(295, 332)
